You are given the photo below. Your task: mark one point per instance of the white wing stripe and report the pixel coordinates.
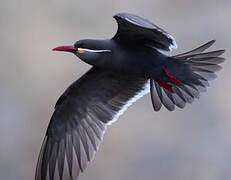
(140, 94)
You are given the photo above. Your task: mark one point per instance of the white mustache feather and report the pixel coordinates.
(96, 51)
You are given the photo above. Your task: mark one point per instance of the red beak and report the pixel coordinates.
(65, 48)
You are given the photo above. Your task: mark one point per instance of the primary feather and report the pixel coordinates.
(80, 119)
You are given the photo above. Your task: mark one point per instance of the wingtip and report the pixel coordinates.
(117, 15)
(210, 43)
(173, 45)
(222, 51)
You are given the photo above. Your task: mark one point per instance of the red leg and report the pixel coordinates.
(165, 86)
(171, 77)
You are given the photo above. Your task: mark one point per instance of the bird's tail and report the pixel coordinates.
(202, 68)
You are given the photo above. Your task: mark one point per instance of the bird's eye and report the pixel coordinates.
(80, 50)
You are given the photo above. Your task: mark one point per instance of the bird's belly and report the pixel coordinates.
(148, 68)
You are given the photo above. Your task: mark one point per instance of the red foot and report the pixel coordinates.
(171, 77)
(165, 86)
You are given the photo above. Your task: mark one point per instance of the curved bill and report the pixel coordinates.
(65, 48)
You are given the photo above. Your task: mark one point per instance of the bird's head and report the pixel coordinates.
(93, 52)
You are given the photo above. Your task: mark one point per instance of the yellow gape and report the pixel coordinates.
(81, 51)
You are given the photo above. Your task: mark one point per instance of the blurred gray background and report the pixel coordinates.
(189, 144)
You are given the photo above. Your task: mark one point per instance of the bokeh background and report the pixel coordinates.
(189, 144)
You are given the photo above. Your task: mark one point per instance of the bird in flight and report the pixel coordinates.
(124, 68)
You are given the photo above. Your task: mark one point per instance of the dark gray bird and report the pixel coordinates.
(123, 68)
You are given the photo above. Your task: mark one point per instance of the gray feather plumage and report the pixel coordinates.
(80, 119)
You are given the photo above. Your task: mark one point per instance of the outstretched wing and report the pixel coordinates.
(203, 66)
(80, 119)
(134, 29)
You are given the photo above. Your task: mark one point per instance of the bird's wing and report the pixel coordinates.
(204, 65)
(80, 119)
(134, 29)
